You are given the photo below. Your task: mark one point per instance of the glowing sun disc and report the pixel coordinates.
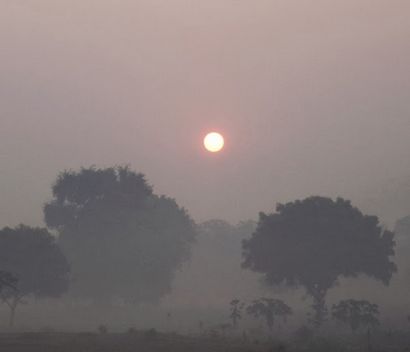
(214, 142)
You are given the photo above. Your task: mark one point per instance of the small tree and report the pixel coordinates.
(356, 313)
(236, 311)
(7, 289)
(35, 264)
(269, 308)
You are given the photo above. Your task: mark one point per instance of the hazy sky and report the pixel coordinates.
(313, 97)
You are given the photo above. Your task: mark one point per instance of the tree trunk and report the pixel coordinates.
(369, 345)
(13, 308)
(270, 323)
(319, 305)
(234, 322)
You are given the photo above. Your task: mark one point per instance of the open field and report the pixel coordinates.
(93, 342)
(158, 342)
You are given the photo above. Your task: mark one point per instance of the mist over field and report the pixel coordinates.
(116, 219)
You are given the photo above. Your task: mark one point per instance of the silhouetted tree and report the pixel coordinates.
(236, 307)
(7, 281)
(122, 240)
(312, 242)
(269, 309)
(356, 313)
(34, 264)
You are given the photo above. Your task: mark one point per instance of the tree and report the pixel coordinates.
(269, 308)
(356, 313)
(236, 307)
(7, 281)
(34, 266)
(313, 242)
(121, 239)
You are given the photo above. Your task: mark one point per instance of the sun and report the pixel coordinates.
(214, 142)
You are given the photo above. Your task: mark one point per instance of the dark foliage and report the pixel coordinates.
(34, 264)
(122, 240)
(7, 281)
(356, 313)
(236, 307)
(269, 309)
(312, 242)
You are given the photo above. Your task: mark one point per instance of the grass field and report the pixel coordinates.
(150, 341)
(93, 342)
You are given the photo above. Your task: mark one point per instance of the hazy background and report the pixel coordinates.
(312, 97)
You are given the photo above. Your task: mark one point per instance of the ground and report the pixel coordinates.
(134, 341)
(151, 341)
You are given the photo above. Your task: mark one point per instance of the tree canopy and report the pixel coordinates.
(356, 313)
(236, 307)
(33, 265)
(313, 242)
(269, 309)
(122, 240)
(7, 281)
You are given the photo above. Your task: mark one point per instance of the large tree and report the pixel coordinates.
(313, 242)
(121, 239)
(33, 265)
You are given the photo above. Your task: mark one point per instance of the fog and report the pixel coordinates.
(312, 98)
